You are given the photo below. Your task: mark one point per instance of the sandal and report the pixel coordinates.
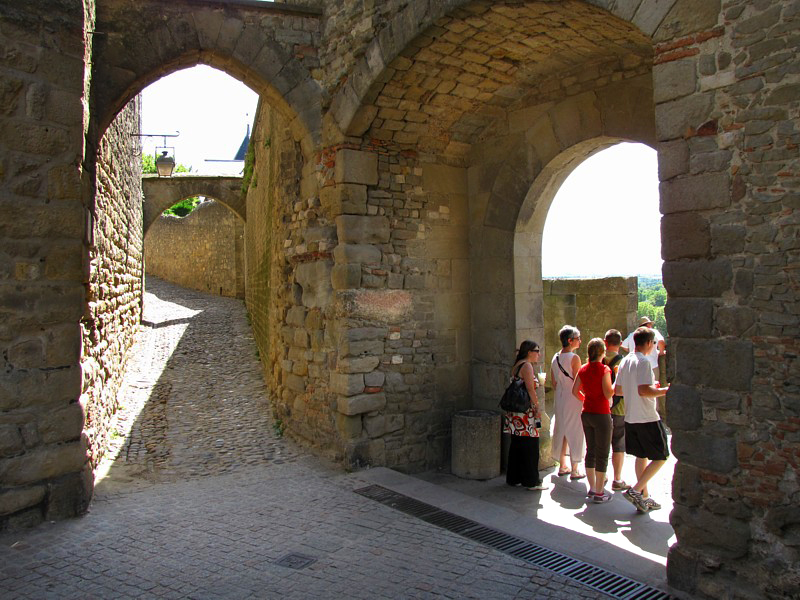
(576, 477)
(562, 473)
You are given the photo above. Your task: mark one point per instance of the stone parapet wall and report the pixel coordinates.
(203, 251)
(592, 305)
(114, 291)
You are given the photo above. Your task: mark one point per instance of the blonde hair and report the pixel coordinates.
(596, 349)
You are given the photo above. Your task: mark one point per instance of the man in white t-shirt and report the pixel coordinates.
(659, 348)
(645, 436)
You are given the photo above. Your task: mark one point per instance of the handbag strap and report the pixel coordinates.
(558, 362)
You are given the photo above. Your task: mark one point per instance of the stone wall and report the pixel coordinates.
(44, 471)
(114, 291)
(592, 305)
(203, 251)
(727, 119)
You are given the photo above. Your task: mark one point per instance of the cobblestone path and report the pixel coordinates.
(194, 400)
(204, 499)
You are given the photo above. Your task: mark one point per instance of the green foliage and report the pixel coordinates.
(652, 298)
(278, 427)
(184, 207)
(249, 164)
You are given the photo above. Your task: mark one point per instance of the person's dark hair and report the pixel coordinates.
(613, 337)
(524, 348)
(567, 333)
(643, 335)
(595, 349)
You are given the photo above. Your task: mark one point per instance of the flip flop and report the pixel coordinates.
(576, 477)
(562, 473)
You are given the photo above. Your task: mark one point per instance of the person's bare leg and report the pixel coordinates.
(617, 461)
(590, 478)
(574, 470)
(646, 474)
(562, 462)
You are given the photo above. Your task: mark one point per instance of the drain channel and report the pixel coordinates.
(612, 584)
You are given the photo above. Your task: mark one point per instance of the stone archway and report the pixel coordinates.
(259, 45)
(161, 193)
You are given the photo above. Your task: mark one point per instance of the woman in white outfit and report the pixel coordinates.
(568, 428)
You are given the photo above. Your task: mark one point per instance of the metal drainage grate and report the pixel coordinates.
(612, 584)
(295, 561)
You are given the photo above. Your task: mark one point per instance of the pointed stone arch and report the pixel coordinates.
(136, 43)
(411, 27)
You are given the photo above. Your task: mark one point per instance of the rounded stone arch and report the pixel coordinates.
(517, 176)
(161, 193)
(529, 230)
(350, 105)
(143, 41)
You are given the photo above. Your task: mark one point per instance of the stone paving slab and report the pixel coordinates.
(177, 514)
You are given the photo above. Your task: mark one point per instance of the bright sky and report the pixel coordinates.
(210, 109)
(601, 202)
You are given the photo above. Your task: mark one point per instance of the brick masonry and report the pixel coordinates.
(406, 155)
(203, 251)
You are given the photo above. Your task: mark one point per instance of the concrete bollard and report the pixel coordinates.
(476, 444)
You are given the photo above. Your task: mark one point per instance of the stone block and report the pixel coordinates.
(689, 317)
(698, 192)
(11, 442)
(697, 278)
(344, 199)
(719, 364)
(375, 426)
(356, 166)
(349, 426)
(315, 279)
(375, 379)
(45, 462)
(727, 240)
(353, 229)
(476, 444)
(27, 354)
(733, 320)
(15, 500)
(346, 277)
(674, 79)
(62, 425)
(361, 364)
(682, 117)
(700, 529)
(684, 408)
(69, 496)
(346, 384)
(710, 452)
(685, 235)
(673, 159)
(362, 403)
(357, 253)
(444, 179)
(296, 316)
(361, 348)
(386, 306)
(296, 383)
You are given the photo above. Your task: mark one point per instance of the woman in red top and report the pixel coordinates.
(593, 387)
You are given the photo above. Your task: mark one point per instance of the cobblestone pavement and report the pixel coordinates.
(204, 497)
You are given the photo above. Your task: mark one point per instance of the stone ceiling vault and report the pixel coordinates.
(453, 81)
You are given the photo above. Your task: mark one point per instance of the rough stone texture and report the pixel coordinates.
(476, 444)
(203, 251)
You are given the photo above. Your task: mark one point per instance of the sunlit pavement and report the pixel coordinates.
(611, 535)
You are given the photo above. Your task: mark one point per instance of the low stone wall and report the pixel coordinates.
(592, 305)
(203, 251)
